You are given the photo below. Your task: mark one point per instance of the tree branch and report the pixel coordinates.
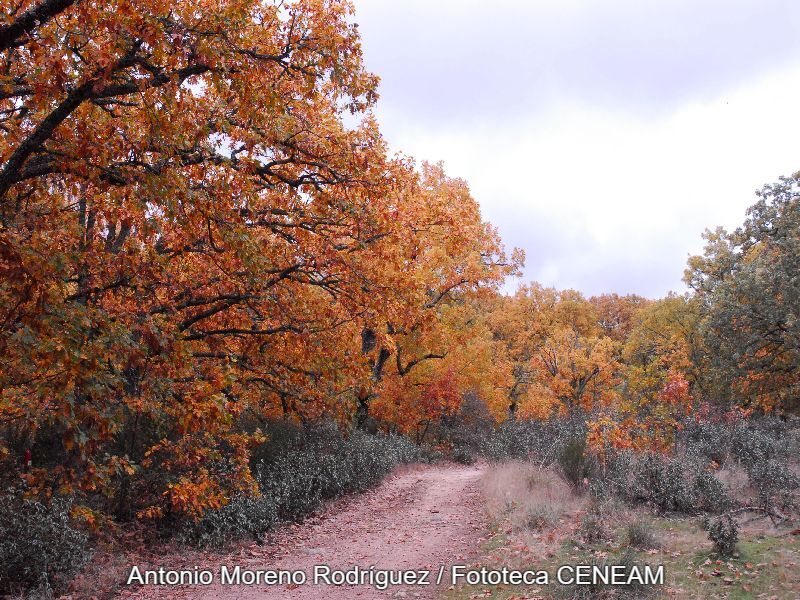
(32, 18)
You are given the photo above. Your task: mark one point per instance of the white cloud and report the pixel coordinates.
(603, 196)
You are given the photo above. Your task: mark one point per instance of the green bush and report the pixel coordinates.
(723, 532)
(300, 480)
(575, 464)
(747, 441)
(667, 483)
(539, 440)
(242, 518)
(711, 494)
(751, 446)
(709, 441)
(298, 471)
(39, 548)
(775, 483)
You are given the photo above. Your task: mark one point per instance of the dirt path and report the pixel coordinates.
(418, 519)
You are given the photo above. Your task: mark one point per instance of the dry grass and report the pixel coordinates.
(527, 497)
(765, 566)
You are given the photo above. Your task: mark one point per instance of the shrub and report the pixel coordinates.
(301, 479)
(775, 484)
(723, 531)
(575, 464)
(243, 517)
(710, 441)
(539, 517)
(670, 484)
(510, 440)
(616, 478)
(748, 441)
(663, 482)
(297, 472)
(711, 494)
(751, 446)
(540, 440)
(463, 455)
(592, 528)
(38, 546)
(639, 535)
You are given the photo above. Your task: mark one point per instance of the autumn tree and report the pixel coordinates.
(446, 262)
(433, 391)
(749, 291)
(616, 314)
(533, 330)
(662, 372)
(573, 374)
(191, 234)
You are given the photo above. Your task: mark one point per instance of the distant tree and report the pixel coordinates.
(523, 324)
(616, 314)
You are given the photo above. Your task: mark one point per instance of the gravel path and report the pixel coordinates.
(418, 519)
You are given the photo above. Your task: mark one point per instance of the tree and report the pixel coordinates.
(573, 373)
(750, 293)
(616, 314)
(522, 326)
(664, 374)
(445, 262)
(198, 223)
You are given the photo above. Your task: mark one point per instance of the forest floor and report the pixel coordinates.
(421, 517)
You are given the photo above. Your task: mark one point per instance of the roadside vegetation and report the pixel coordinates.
(706, 512)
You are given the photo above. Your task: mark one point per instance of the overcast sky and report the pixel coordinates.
(601, 136)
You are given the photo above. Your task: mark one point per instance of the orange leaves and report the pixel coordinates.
(675, 392)
(204, 243)
(195, 233)
(625, 362)
(606, 435)
(574, 373)
(193, 498)
(442, 395)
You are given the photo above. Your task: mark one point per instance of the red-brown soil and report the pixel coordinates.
(419, 518)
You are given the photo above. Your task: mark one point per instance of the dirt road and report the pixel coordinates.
(418, 519)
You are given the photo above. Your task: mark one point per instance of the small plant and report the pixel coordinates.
(509, 506)
(639, 535)
(538, 518)
(723, 531)
(592, 529)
